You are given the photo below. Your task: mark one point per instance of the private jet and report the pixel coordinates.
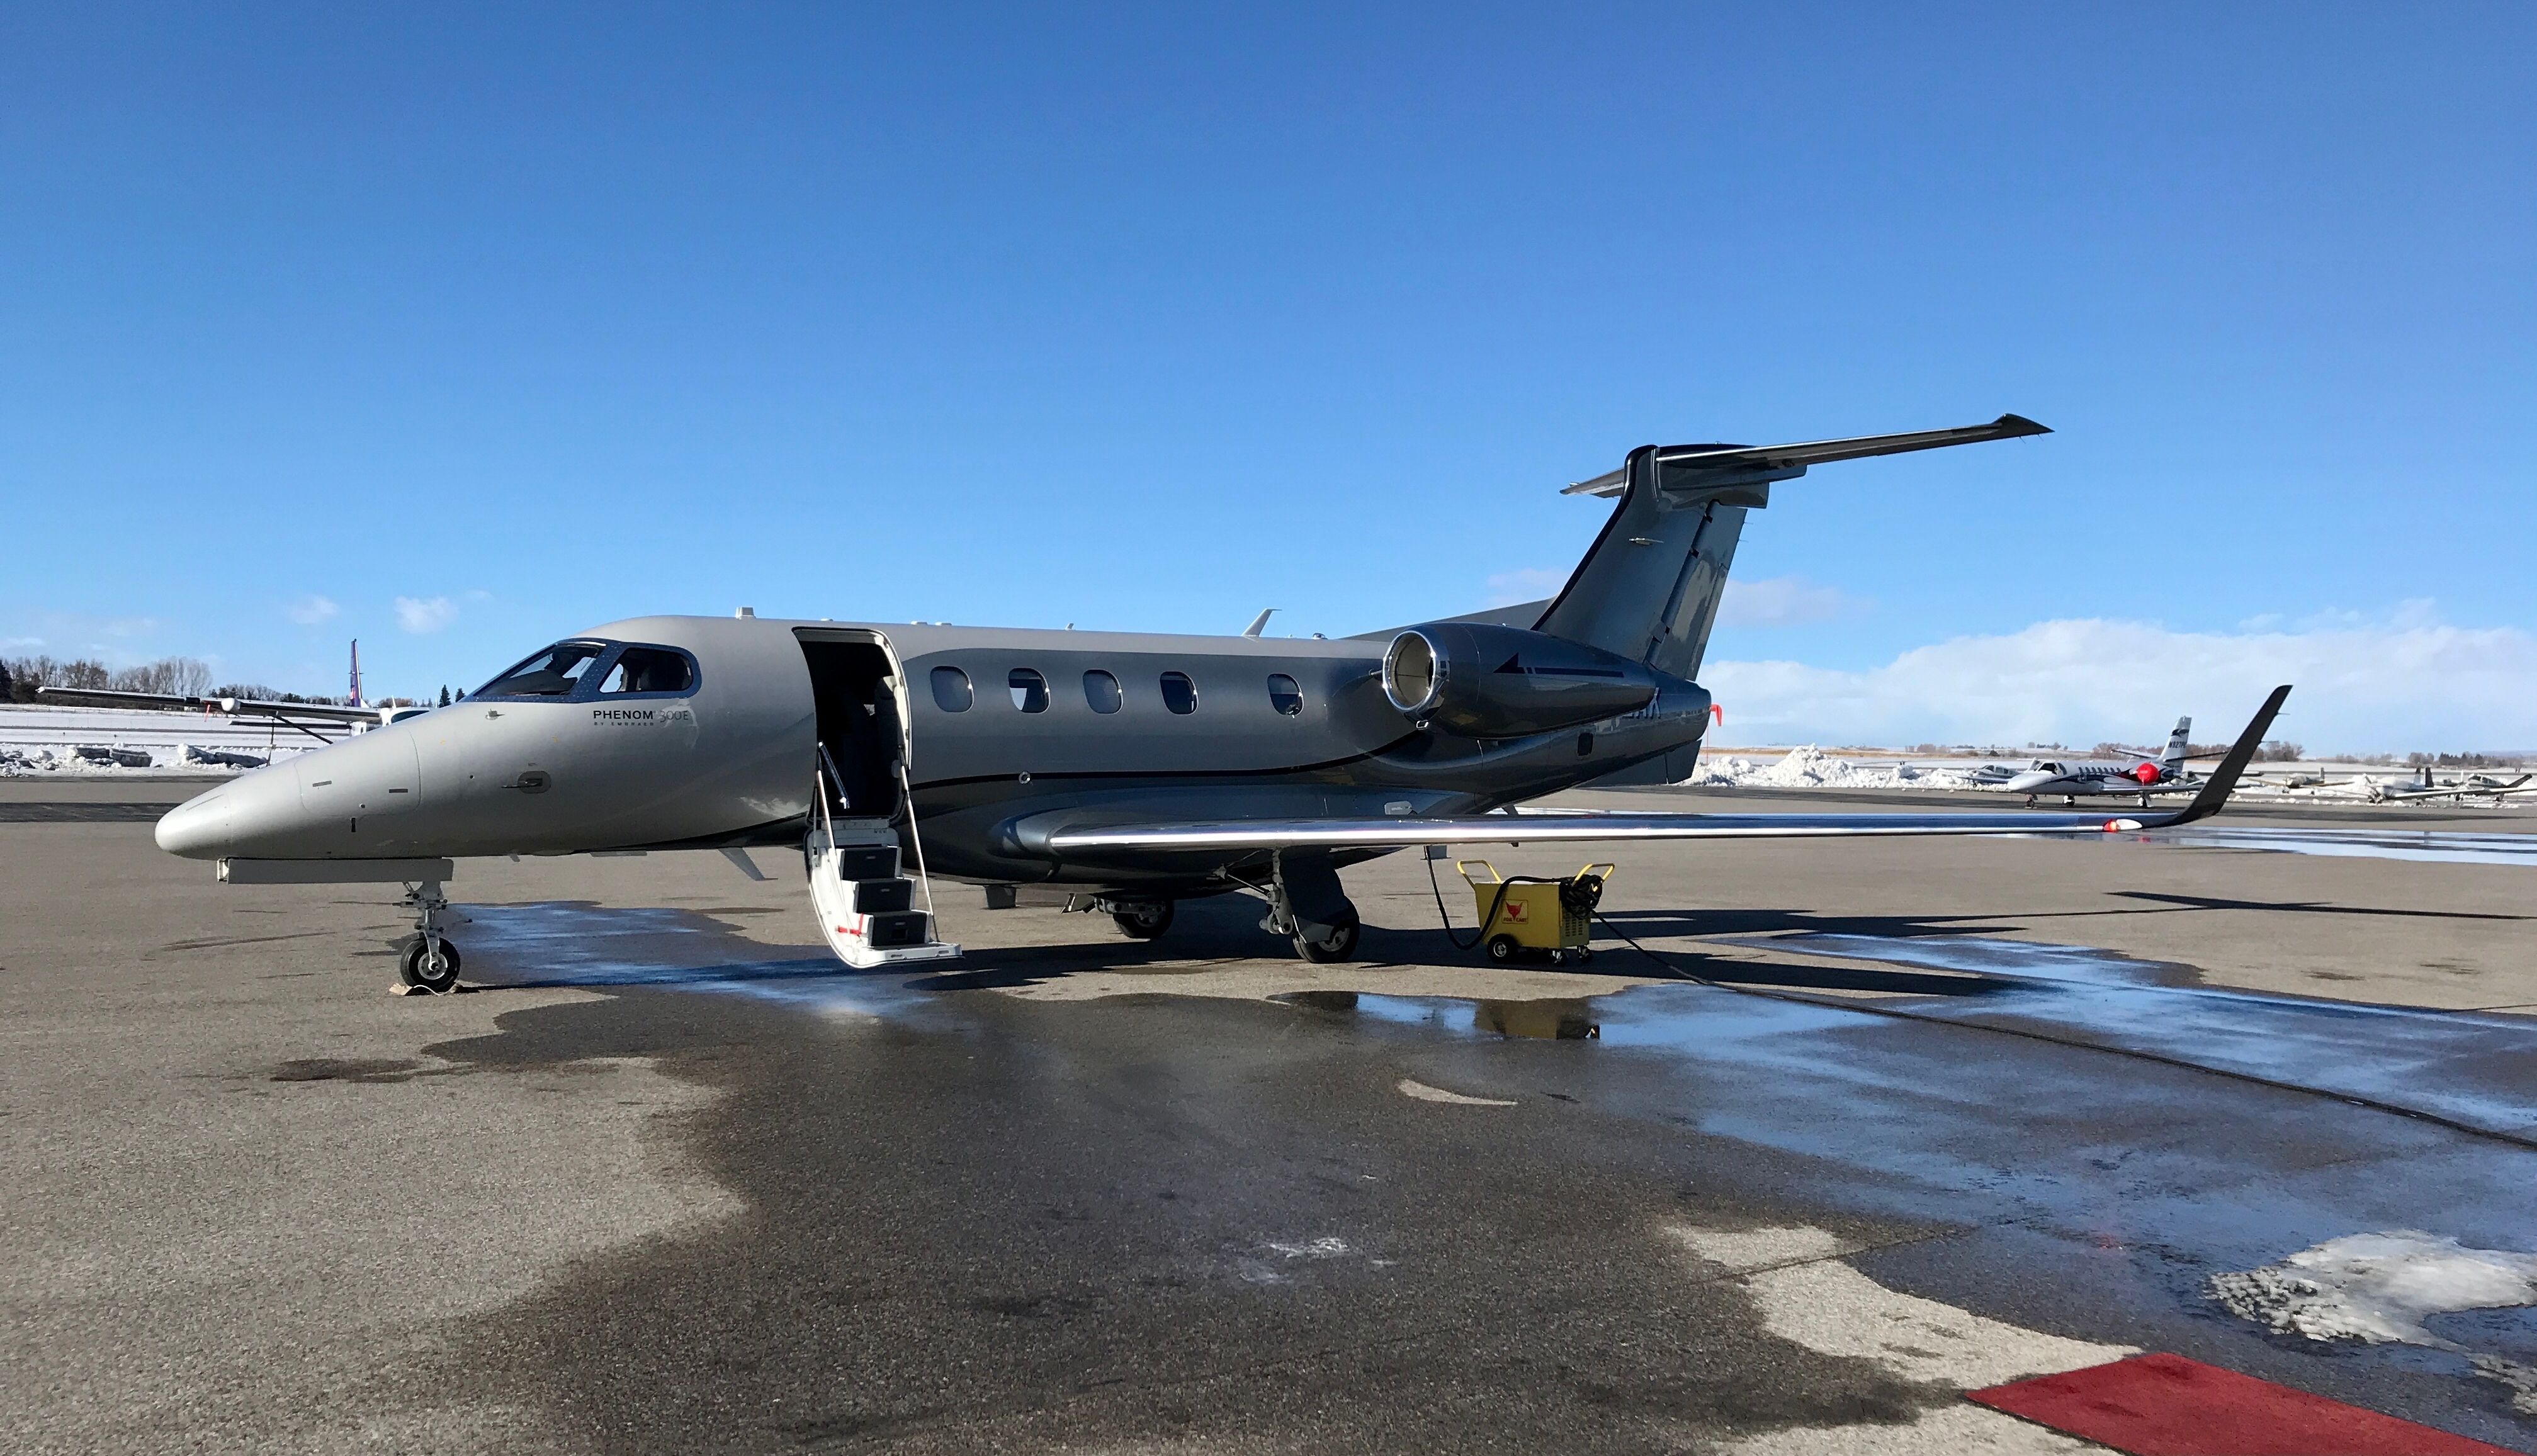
(1124, 772)
(2140, 776)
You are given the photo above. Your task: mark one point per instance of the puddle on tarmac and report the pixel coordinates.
(2039, 1149)
(2465, 1064)
(578, 944)
(1553, 1018)
(2436, 846)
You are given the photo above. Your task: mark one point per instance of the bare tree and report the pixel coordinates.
(184, 676)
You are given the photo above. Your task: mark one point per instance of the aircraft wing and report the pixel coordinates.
(243, 708)
(1726, 459)
(1057, 835)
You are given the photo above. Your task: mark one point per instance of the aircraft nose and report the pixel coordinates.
(254, 814)
(197, 828)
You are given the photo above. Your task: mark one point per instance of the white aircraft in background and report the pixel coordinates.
(2474, 786)
(2071, 777)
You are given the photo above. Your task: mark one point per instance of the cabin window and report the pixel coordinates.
(1029, 690)
(1180, 695)
(950, 689)
(649, 670)
(1284, 695)
(1101, 692)
(556, 672)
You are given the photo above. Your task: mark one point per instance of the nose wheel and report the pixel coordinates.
(431, 964)
(430, 961)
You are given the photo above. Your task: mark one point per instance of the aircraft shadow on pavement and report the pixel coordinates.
(1746, 924)
(2303, 908)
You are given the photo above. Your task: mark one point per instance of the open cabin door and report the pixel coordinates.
(869, 911)
(863, 723)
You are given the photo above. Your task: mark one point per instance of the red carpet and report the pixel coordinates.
(2165, 1405)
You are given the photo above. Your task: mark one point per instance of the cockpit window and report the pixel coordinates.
(556, 672)
(648, 670)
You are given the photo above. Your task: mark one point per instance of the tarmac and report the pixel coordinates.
(1825, 1137)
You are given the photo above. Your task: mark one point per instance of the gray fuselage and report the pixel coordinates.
(727, 759)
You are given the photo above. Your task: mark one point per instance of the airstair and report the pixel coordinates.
(867, 909)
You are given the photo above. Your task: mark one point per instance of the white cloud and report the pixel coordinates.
(425, 614)
(309, 610)
(1783, 601)
(1524, 584)
(2398, 683)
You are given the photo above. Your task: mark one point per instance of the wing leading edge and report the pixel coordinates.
(1559, 826)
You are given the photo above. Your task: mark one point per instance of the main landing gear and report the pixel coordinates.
(430, 962)
(1141, 919)
(1306, 903)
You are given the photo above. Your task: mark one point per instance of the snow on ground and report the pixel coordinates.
(1811, 768)
(37, 740)
(2381, 1289)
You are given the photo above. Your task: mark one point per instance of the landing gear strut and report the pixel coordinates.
(1306, 902)
(430, 962)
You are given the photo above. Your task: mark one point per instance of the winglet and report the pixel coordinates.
(1258, 622)
(2224, 779)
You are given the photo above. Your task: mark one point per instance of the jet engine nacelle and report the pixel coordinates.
(1503, 682)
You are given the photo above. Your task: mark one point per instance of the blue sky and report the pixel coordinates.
(531, 317)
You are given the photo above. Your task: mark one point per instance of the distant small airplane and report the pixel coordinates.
(2141, 777)
(2474, 786)
(1129, 770)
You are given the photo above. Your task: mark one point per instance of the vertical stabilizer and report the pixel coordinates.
(1650, 587)
(2177, 744)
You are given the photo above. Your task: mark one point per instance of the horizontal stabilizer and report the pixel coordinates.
(1743, 459)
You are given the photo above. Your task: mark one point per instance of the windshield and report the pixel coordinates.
(553, 673)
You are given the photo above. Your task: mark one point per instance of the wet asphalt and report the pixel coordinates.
(673, 1181)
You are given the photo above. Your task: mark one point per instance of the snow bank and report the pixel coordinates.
(1811, 768)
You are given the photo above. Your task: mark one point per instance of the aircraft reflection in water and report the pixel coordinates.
(1126, 770)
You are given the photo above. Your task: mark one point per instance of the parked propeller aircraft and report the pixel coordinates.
(2163, 774)
(2473, 786)
(1128, 770)
(305, 716)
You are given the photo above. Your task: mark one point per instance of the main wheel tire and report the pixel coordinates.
(419, 971)
(1145, 922)
(1502, 948)
(1340, 945)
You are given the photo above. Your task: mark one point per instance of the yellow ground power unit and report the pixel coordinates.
(1529, 915)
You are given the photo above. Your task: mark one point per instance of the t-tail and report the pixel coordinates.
(1649, 586)
(2173, 760)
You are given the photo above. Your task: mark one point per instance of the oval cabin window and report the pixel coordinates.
(1100, 692)
(1180, 695)
(950, 689)
(1029, 690)
(1284, 695)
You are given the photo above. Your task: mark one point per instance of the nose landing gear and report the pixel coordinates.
(430, 962)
